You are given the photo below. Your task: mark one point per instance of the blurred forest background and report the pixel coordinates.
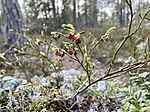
(92, 16)
(38, 65)
(81, 13)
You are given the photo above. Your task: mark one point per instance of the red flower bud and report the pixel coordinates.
(78, 41)
(70, 52)
(71, 37)
(58, 54)
(106, 39)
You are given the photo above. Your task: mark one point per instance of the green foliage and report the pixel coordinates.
(42, 55)
(25, 96)
(34, 58)
(135, 97)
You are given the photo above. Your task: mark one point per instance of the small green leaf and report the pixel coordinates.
(111, 29)
(80, 33)
(148, 79)
(67, 45)
(42, 53)
(28, 90)
(133, 109)
(53, 33)
(2, 56)
(55, 49)
(137, 82)
(144, 109)
(8, 63)
(37, 41)
(131, 90)
(88, 58)
(44, 110)
(64, 42)
(146, 83)
(120, 110)
(144, 75)
(69, 27)
(127, 99)
(126, 106)
(147, 96)
(7, 78)
(1, 76)
(136, 104)
(130, 60)
(121, 95)
(15, 82)
(133, 77)
(137, 94)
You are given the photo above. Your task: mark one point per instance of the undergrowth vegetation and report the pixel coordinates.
(34, 79)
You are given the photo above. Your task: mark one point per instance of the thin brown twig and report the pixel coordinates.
(132, 67)
(117, 75)
(125, 39)
(12, 45)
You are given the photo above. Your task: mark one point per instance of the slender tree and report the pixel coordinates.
(54, 13)
(85, 12)
(74, 13)
(12, 21)
(66, 12)
(78, 22)
(121, 14)
(93, 11)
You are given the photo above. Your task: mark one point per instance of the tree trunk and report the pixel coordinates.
(78, 22)
(74, 13)
(54, 13)
(95, 12)
(85, 11)
(121, 15)
(12, 21)
(58, 16)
